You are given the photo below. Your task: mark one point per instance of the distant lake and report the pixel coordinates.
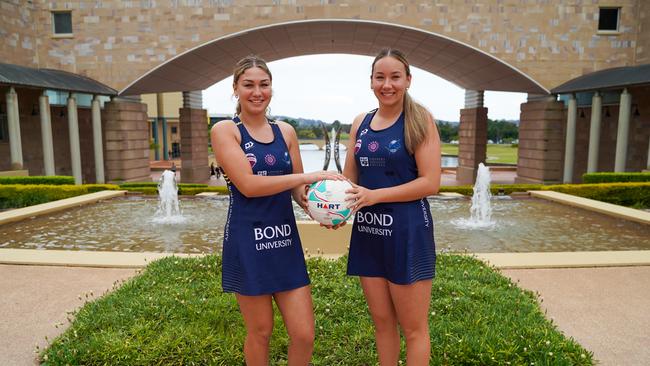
(313, 159)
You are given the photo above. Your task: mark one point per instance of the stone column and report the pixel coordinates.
(13, 121)
(160, 116)
(472, 137)
(570, 141)
(193, 122)
(541, 141)
(594, 133)
(623, 131)
(75, 149)
(154, 130)
(97, 141)
(127, 141)
(46, 134)
(164, 138)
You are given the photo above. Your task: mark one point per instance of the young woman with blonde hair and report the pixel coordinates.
(394, 162)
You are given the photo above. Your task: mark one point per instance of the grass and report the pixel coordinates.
(175, 313)
(496, 153)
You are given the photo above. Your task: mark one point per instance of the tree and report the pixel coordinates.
(448, 131)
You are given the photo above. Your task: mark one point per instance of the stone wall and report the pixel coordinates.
(19, 42)
(118, 41)
(643, 42)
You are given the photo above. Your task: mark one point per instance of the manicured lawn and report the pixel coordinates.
(495, 153)
(174, 313)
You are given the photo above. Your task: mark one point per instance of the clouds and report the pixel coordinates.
(337, 87)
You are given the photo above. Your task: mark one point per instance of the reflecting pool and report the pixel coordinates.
(128, 224)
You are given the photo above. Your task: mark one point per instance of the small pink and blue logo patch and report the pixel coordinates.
(269, 159)
(373, 146)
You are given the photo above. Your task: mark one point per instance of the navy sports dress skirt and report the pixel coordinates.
(262, 253)
(390, 240)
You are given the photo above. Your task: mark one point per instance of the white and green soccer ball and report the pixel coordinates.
(326, 201)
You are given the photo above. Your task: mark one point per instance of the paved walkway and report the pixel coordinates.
(37, 298)
(607, 310)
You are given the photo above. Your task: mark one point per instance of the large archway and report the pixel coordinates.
(457, 62)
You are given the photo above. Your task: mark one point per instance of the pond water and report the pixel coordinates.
(129, 224)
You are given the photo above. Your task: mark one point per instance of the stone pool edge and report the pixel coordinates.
(54, 206)
(622, 212)
(499, 260)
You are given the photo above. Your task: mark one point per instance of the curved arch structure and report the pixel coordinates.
(459, 63)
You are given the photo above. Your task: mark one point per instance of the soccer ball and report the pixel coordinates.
(326, 201)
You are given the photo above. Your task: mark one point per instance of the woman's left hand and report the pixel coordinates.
(359, 197)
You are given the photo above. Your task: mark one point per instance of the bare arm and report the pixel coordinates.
(225, 142)
(427, 159)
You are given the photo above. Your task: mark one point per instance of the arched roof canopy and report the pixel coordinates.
(459, 63)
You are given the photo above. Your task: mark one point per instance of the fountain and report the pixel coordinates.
(168, 211)
(481, 209)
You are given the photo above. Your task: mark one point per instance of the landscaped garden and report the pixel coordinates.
(175, 313)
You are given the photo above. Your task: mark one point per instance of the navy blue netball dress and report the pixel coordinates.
(262, 253)
(390, 240)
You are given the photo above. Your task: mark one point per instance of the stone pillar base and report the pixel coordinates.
(195, 167)
(541, 143)
(126, 142)
(473, 143)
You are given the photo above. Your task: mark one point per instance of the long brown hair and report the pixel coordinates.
(245, 64)
(416, 116)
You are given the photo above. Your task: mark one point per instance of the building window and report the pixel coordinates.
(62, 22)
(608, 19)
(174, 130)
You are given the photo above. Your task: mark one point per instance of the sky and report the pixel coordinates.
(337, 87)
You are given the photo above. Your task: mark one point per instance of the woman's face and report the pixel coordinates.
(253, 88)
(389, 81)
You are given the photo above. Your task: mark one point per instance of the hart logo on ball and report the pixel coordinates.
(326, 201)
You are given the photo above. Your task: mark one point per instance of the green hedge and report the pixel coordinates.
(185, 189)
(155, 184)
(624, 194)
(51, 180)
(609, 177)
(494, 188)
(23, 195)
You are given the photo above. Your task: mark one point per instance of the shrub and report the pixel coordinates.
(609, 177)
(51, 180)
(494, 188)
(151, 188)
(23, 195)
(624, 194)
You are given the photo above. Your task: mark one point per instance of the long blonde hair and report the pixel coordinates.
(416, 116)
(245, 64)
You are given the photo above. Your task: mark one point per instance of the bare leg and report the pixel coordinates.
(412, 305)
(298, 314)
(258, 317)
(384, 317)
